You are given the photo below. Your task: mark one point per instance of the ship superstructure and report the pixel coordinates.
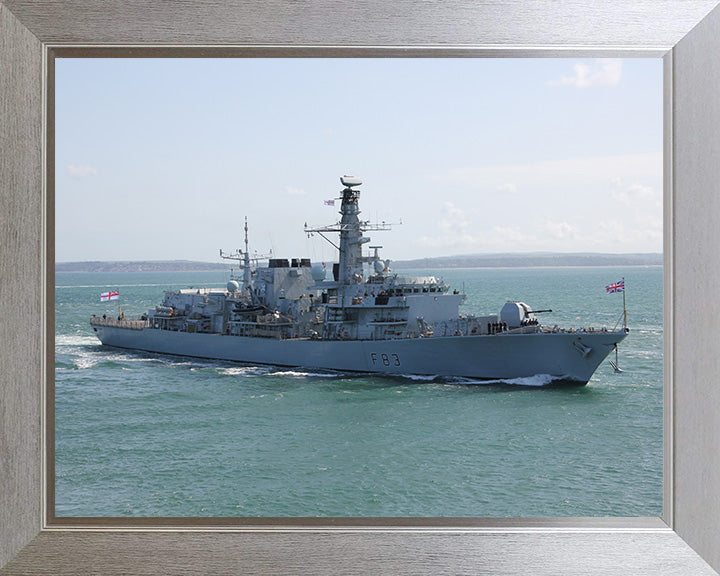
(361, 317)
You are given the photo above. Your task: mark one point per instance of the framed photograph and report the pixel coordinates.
(413, 546)
(492, 272)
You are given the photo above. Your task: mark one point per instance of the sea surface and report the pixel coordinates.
(141, 434)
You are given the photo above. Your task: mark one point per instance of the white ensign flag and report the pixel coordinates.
(112, 295)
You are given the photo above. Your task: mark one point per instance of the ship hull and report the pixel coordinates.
(570, 357)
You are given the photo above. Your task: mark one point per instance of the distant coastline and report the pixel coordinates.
(140, 266)
(533, 260)
(525, 260)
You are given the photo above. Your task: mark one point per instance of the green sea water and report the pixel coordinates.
(141, 434)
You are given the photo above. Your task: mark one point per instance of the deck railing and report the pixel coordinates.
(121, 323)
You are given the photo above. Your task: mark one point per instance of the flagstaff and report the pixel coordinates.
(618, 287)
(624, 309)
(611, 289)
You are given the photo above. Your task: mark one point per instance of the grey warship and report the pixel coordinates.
(363, 318)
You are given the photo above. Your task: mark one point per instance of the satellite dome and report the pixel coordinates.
(233, 286)
(318, 273)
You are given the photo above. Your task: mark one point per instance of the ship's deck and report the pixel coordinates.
(119, 323)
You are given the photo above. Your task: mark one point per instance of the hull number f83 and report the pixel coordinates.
(382, 359)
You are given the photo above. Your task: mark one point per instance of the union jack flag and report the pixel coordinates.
(616, 287)
(112, 295)
(329, 202)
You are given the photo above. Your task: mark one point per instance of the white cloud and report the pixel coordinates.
(628, 235)
(635, 232)
(634, 193)
(454, 223)
(528, 176)
(641, 208)
(456, 233)
(295, 191)
(508, 188)
(82, 171)
(602, 72)
(560, 230)
(453, 227)
(604, 203)
(507, 238)
(456, 215)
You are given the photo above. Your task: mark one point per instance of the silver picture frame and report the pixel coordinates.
(684, 33)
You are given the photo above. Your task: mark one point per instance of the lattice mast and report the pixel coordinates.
(351, 228)
(244, 260)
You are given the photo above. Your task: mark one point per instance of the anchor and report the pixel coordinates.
(615, 366)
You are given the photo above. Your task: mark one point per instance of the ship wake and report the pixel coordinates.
(536, 381)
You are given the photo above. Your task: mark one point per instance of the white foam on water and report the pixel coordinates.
(302, 374)
(85, 361)
(83, 358)
(75, 340)
(537, 380)
(244, 371)
(418, 377)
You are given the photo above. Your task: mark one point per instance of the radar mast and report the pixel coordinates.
(245, 262)
(351, 230)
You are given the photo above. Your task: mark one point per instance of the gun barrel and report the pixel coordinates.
(538, 311)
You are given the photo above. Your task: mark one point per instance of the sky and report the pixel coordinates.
(162, 159)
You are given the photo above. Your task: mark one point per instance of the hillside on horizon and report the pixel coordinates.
(533, 260)
(513, 260)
